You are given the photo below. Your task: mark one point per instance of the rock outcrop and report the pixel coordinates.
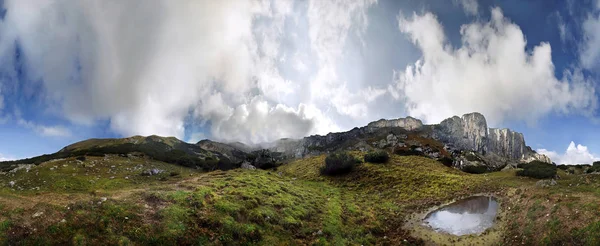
(408, 123)
(467, 139)
(467, 133)
(497, 147)
(389, 133)
(506, 143)
(533, 156)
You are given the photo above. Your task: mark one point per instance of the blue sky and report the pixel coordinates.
(256, 71)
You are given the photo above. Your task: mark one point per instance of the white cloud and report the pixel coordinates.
(563, 30)
(6, 158)
(492, 72)
(589, 52)
(149, 67)
(575, 154)
(145, 66)
(299, 63)
(470, 7)
(330, 24)
(196, 137)
(47, 131)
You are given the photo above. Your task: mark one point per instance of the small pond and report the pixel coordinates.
(473, 215)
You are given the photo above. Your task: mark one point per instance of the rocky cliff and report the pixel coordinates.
(492, 147)
(497, 146)
(468, 132)
(408, 123)
(506, 143)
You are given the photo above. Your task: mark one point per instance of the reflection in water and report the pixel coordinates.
(468, 216)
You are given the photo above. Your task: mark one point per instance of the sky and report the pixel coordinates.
(258, 70)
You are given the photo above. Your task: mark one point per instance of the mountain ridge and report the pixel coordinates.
(456, 137)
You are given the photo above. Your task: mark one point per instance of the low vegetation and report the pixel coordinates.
(475, 169)
(537, 169)
(408, 151)
(378, 156)
(447, 161)
(594, 168)
(339, 163)
(155, 151)
(107, 200)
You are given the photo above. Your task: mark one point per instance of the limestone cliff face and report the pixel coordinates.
(506, 143)
(353, 139)
(533, 156)
(408, 123)
(468, 132)
(498, 147)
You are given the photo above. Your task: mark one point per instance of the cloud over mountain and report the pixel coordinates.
(151, 67)
(491, 72)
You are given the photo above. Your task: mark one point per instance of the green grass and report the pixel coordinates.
(292, 205)
(96, 173)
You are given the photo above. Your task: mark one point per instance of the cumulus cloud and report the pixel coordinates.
(150, 66)
(575, 154)
(330, 24)
(491, 72)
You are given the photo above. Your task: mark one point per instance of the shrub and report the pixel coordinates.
(338, 163)
(537, 169)
(475, 169)
(379, 156)
(80, 158)
(447, 161)
(594, 168)
(407, 151)
(264, 159)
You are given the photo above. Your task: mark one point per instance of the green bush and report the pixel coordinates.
(475, 169)
(408, 151)
(594, 168)
(538, 170)
(379, 156)
(447, 161)
(338, 163)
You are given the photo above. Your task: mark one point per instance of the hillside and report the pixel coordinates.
(116, 200)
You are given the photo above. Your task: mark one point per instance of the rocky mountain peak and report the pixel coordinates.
(470, 132)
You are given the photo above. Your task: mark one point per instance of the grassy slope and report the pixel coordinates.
(292, 205)
(98, 142)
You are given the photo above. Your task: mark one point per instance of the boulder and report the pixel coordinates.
(247, 165)
(545, 183)
(533, 156)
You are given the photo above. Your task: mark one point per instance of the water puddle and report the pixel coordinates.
(472, 215)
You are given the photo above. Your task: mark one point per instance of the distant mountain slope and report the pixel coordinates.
(166, 149)
(465, 141)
